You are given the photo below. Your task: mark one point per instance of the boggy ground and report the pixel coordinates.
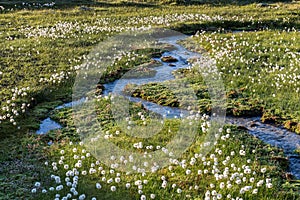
(40, 51)
(260, 71)
(193, 178)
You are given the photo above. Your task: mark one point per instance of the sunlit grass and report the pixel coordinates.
(260, 71)
(40, 50)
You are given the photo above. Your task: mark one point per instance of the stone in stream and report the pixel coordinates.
(243, 128)
(168, 59)
(280, 159)
(99, 88)
(289, 176)
(253, 124)
(172, 65)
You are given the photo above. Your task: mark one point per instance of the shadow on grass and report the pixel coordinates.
(261, 3)
(68, 4)
(228, 25)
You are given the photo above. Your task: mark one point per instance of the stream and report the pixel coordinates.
(273, 135)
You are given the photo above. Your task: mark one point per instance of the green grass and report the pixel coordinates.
(265, 64)
(259, 69)
(44, 61)
(264, 156)
(41, 47)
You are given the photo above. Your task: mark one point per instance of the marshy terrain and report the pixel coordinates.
(251, 47)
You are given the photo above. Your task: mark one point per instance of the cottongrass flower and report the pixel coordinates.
(260, 183)
(269, 185)
(113, 188)
(164, 184)
(263, 170)
(82, 197)
(98, 186)
(255, 191)
(188, 172)
(37, 184)
(60, 187)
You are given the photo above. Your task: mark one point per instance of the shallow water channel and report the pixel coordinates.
(275, 136)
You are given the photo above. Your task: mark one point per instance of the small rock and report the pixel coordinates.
(289, 176)
(253, 124)
(169, 59)
(99, 89)
(278, 158)
(172, 65)
(242, 128)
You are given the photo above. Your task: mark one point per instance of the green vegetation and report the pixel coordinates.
(243, 150)
(260, 71)
(43, 45)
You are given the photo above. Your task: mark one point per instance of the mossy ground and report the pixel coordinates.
(276, 100)
(265, 156)
(27, 58)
